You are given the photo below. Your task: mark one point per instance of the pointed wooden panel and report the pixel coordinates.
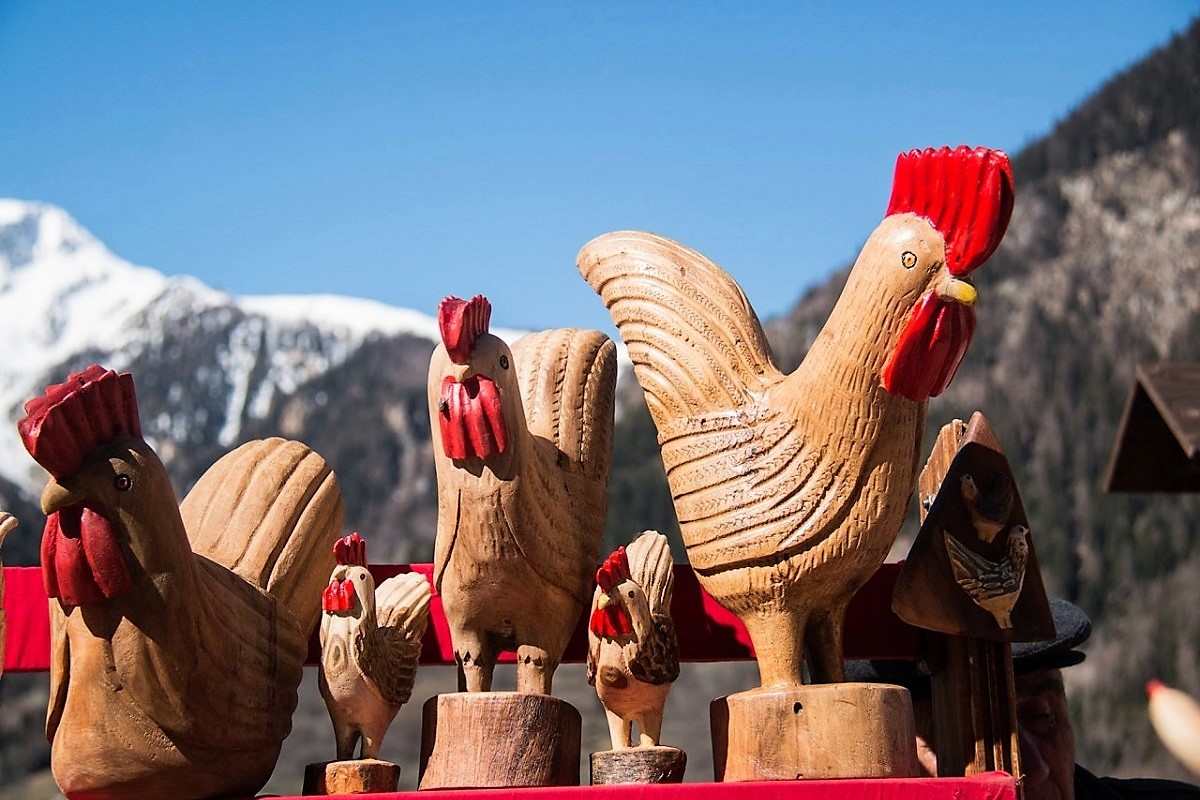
(1158, 444)
(961, 539)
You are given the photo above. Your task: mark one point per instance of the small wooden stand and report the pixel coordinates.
(361, 776)
(657, 764)
(838, 730)
(472, 740)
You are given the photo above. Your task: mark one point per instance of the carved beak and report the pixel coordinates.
(56, 496)
(603, 602)
(959, 291)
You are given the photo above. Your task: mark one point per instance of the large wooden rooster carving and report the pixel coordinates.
(522, 443)
(179, 633)
(790, 489)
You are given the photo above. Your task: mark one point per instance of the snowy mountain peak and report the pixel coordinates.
(32, 232)
(66, 300)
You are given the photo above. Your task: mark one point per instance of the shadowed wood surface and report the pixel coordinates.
(493, 739)
(638, 765)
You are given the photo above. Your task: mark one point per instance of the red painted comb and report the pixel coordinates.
(966, 194)
(351, 550)
(614, 570)
(73, 418)
(461, 323)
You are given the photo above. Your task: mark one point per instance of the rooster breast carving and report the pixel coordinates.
(178, 633)
(633, 657)
(522, 442)
(370, 643)
(790, 489)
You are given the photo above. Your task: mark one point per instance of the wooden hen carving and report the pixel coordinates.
(522, 442)
(179, 633)
(633, 657)
(790, 489)
(370, 643)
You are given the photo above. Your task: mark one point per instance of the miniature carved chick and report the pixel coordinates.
(633, 657)
(994, 586)
(370, 643)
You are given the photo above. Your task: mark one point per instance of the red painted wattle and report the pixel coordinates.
(471, 418)
(82, 562)
(611, 621)
(931, 347)
(338, 596)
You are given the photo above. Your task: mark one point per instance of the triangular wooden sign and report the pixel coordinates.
(973, 569)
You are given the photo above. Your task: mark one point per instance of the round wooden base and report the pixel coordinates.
(837, 730)
(360, 776)
(638, 765)
(499, 739)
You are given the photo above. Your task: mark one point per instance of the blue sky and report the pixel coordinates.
(405, 151)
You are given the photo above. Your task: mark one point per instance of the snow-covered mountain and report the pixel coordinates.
(211, 369)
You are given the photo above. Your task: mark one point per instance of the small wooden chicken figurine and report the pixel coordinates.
(7, 523)
(370, 642)
(633, 657)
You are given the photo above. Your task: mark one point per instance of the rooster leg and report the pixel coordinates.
(823, 640)
(347, 740)
(778, 637)
(650, 727)
(372, 739)
(476, 657)
(535, 669)
(619, 730)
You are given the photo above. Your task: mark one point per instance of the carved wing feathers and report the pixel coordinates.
(696, 344)
(402, 609)
(270, 511)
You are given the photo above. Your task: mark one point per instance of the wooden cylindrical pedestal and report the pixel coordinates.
(638, 765)
(837, 730)
(499, 739)
(360, 776)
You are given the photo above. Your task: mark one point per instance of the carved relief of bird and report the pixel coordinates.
(370, 643)
(989, 510)
(790, 489)
(633, 657)
(994, 586)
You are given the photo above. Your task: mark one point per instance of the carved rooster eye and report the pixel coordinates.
(908, 259)
(503, 362)
(631, 592)
(123, 483)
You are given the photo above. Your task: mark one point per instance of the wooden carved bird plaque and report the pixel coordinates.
(972, 570)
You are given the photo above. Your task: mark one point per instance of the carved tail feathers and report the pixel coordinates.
(270, 511)
(568, 382)
(402, 612)
(696, 344)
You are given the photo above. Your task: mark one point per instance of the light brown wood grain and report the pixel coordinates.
(845, 730)
(8, 524)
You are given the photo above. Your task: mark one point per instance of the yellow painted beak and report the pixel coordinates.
(56, 496)
(959, 291)
(604, 601)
